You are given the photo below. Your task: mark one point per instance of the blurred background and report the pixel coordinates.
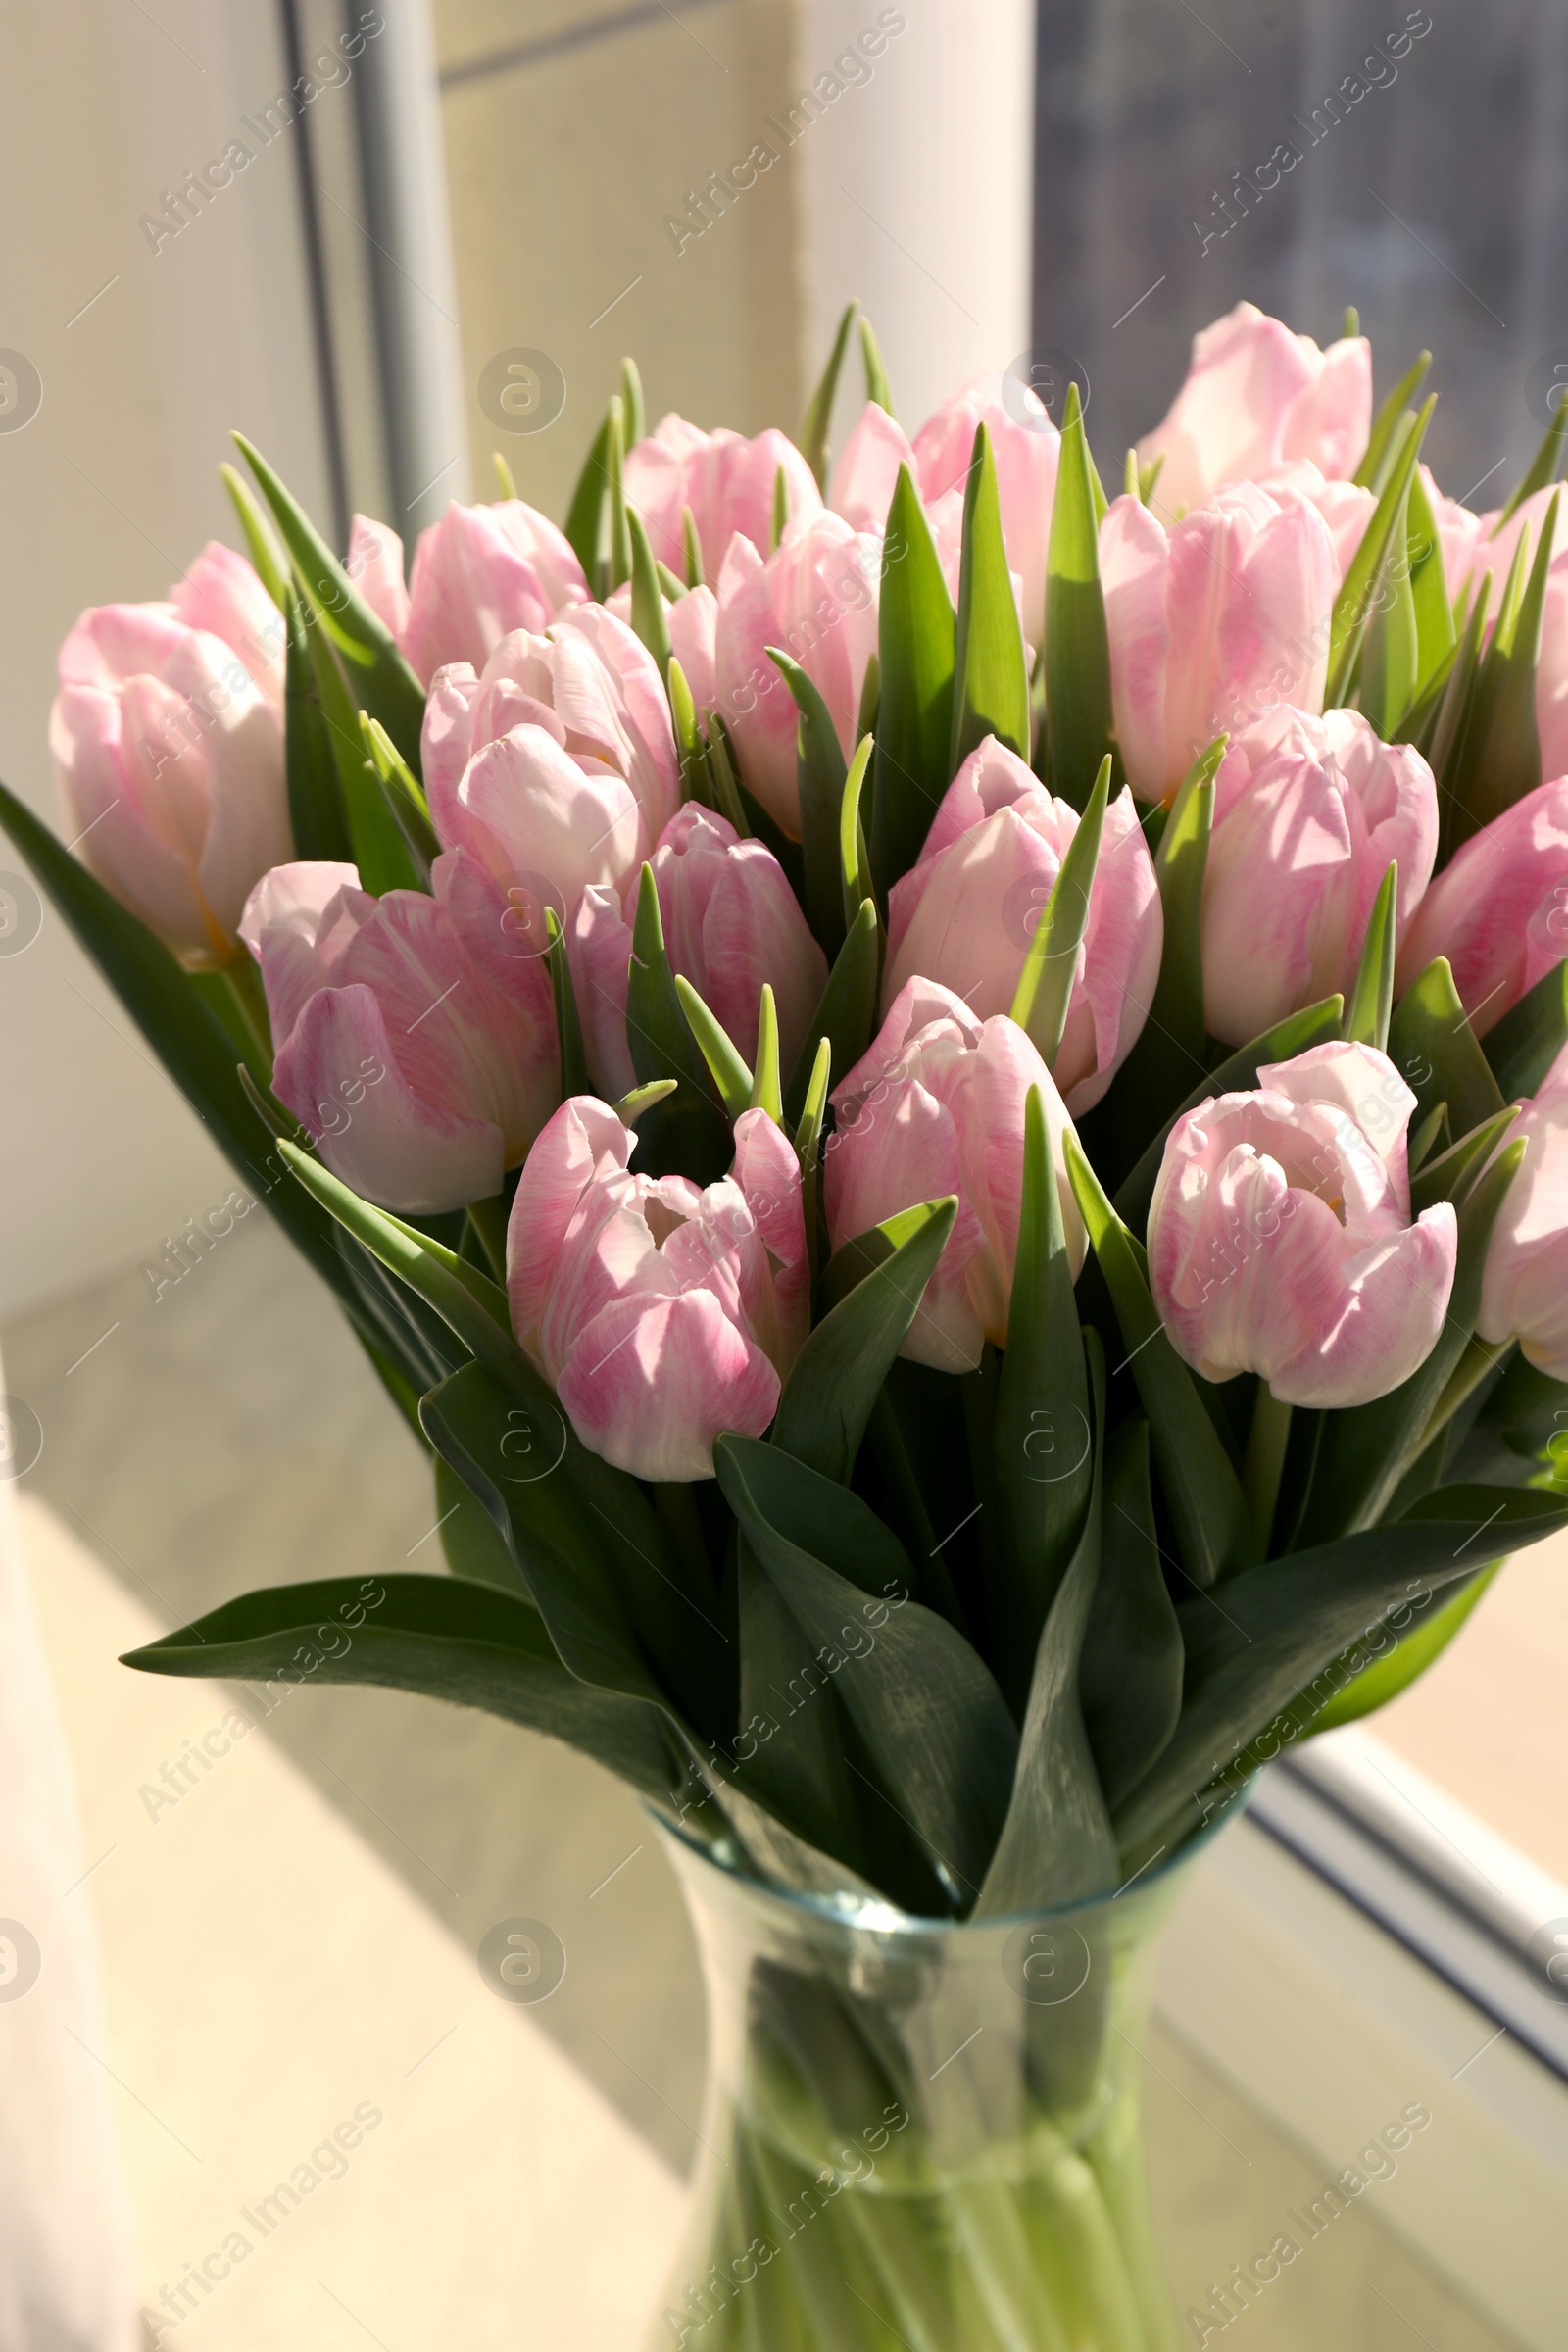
(452, 192)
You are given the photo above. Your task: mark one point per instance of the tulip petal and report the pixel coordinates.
(651, 1382)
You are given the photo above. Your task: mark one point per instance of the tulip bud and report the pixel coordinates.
(730, 921)
(1498, 910)
(169, 758)
(1280, 1238)
(1213, 624)
(1026, 446)
(415, 1035)
(966, 914)
(480, 572)
(662, 1313)
(727, 481)
(1255, 397)
(1524, 1293)
(1309, 813)
(374, 564)
(556, 765)
(814, 597)
(936, 1107)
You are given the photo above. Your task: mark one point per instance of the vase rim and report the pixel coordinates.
(875, 1914)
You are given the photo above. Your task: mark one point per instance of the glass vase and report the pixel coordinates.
(919, 2134)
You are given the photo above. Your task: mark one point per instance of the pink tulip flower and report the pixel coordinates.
(727, 481)
(414, 1040)
(1026, 446)
(693, 623)
(1255, 398)
(1551, 673)
(815, 599)
(731, 921)
(1280, 1238)
(374, 564)
(1213, 623)
(479, 574)
(223, 595)
(1309, 815)
(556, 765)
(1524, 1292)
(1498, 910)
(966, 915)
(936, 1107)
(1496, 542)
(663, 1313)
(167, 753)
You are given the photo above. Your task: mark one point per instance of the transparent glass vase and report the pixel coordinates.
(919, 2134)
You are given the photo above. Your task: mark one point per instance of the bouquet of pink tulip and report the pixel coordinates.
(943, 1099)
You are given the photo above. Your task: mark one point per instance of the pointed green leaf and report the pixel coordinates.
(630, 1109)
(1201, 1489)
(384, 684)
(848, 1009)
(648, 615)
(1522, 1047)
(808, 1133)
(1391, 649)
(506, 486)
(1051, 966)
(1452, 1175)
(819, 769)
(621, 1606)
(1387, 421)
(796, 1766)
(318, 818)
(1417, 1644)
(1058, 1845)
(613, 558)
(631, 400)
(575, 1078)
(1544, 467)
(765, 1082)
(828, 1396)
(689, 1134)
(460, 1641)
(1131, 1674)
(582, 524)
(472, 1543)
(1436, 1052)
(403, 791)
(1367, 1014)
(1042, 1438)
(818, 422)
(781, 507)
(473, 1308)
(1436, 634)
(259, 541)
(379, 847)
(990, 676)
(1174, 1042)
(917, 631)
(1354, 603)
(934, 1724)
(877, 388)
(695, 576)
(1500, 758)
(728, 1070)
(1288, 1622)
(854, 858)
(1077, 647)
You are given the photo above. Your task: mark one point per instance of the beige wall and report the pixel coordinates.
(572, 134)
(106, 495)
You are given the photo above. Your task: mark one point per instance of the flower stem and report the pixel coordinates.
(1265, 1460)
